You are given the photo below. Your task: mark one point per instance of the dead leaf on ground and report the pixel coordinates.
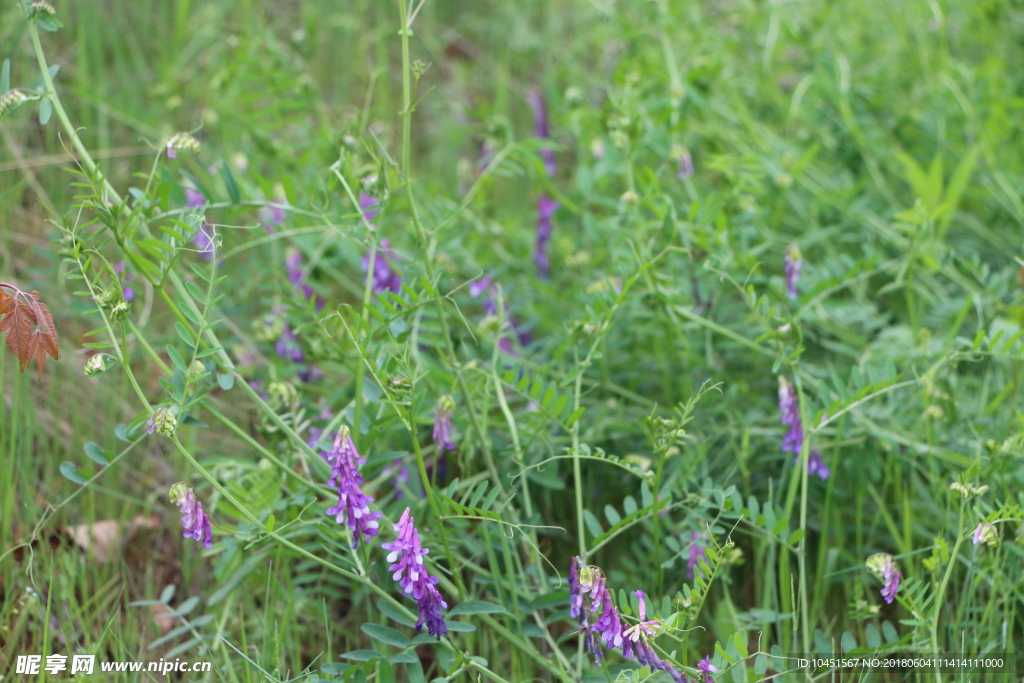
(164, 618)
(105, 538)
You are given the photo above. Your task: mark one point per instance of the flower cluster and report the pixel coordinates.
(815, 465)
(546, 206)
(884, 568)
(635, 642)
(408, 570)
(443, 423)
(181, 142)
(487, 285)
(126, 277)
(296, 274)
(986, 533)
(384, 277)
(789, 407)
(195, 521)
(353, 506)
(162, 421)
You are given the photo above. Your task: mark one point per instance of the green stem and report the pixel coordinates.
(941, 592)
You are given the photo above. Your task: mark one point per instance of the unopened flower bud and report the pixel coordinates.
(283, 396)
(96, 365)
(162, 422)
(182, 142)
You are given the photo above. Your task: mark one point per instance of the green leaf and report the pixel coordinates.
(176, 358)
(404, 658)
(70, 470)
(226, 380)
(229, 182)
(740, 639)
(460, 626)
(593, 524)
(477, 607)
(94, 453)
(612, 515)
(196, 293)
(45, 111)
(363, 655)
(185, 334)
(386, 634)
(48, 23)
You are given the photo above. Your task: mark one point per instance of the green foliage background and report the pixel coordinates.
(880, 137)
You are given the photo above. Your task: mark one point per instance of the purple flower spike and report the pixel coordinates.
(443, 423)
(793, 264)
(541, 130)
(296, 273)
(385, 277)
(126, 291)
(367, 204)
(789, 407)
(697, 553)
(884, 568)
(353, 506)
(195, 521)
(546, 208)
(409, 571)
(634, 641)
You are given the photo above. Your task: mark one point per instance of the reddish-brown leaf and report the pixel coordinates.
(29, 327)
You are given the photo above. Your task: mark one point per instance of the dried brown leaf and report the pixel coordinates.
(31, 333)
(104, 538)
(164, 618)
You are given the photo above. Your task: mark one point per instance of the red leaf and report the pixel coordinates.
(29, 327)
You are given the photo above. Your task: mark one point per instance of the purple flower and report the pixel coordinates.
(193, 198)
(367, 204)
(296, 273)
(885, 569)
(707, 667)
(203, 237)
(540, 128)
(385, 277)
(272, 216)
(443, 423)
(697, 553)
(789, 407)
(488, 285)
(409, 571)
(126, 277)
(546, 208)
(353, 506)
(986, 533)
(815, 465)
(685, 166)
(287, 346)
(195, 521)
(793, 264)
(399, 473)
(634, 641)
